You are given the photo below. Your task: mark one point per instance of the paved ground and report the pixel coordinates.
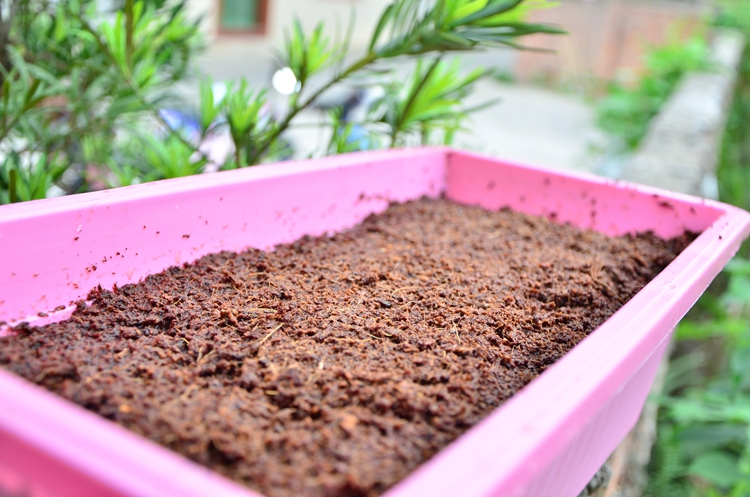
(533, 125)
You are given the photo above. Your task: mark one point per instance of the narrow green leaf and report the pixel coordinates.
(60, 19)
(458, 42)
(13, 185)
(30, 92)
(489, 11)
(382, 23)
(6, 92)
(209, 108)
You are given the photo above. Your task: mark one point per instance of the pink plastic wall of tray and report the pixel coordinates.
(547, 441)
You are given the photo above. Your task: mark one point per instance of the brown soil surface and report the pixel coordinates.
(334, 366)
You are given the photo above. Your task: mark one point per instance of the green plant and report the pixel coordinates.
(430, 101)
(407, 28)
(79, 85)
(21, 182)
(733, 170)
(703, 446)
(71, 75)
(170, 158)
(626, 111)
(242, 109)
(344, 136)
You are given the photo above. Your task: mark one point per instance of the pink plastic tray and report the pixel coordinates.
(547, 441)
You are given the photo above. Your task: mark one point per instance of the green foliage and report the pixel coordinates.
(407, 28)
(171, 158)
(709, 407)
(209, 108)
(733, 14)
(720, 469)
(343, 139)
(734, 164)
(452, 25)
(668, 468)
(73, 78)
(307, 55)
(626, 112)
(81, 87)
(242, 109)
(431, 99)
(703, 446)
(22, 182)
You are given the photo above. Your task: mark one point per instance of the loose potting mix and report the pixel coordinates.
(336, 365)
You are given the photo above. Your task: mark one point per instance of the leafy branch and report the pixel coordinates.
(77, 89)
(445, 26)
(117, 43)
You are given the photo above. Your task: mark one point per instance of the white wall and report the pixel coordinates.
(232, 56)
(310, 12)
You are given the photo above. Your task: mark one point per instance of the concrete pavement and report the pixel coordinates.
(532, 125)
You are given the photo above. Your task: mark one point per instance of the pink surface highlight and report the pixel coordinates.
(573, 468)
(69, 451)
(589, 202)
(548, 440)
(59, 249)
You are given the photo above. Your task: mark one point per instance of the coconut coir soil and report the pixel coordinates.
(334, 366)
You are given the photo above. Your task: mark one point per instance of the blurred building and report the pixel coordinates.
(243, 34)
(606, 38)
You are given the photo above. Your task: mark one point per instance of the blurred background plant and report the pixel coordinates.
(626, 110)
(703, 446)
(73, 76)
(86, 92)
(734, 171)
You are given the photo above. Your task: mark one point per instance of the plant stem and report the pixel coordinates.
(361, 63)
(7, 128)
(397, 128)
(237, 155)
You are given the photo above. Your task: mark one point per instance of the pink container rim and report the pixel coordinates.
(512, 452)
